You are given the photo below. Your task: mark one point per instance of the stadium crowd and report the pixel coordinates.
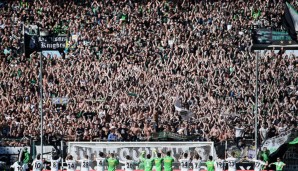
(134, 59)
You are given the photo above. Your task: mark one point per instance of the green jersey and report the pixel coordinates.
(148, 164)
(265, 156)
(168, 163)
(141, 164)
(112, 163)
(210, 165)
(279, 165)
(26, 157)
(158, 163)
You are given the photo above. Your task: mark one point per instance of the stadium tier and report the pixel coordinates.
(200, 71)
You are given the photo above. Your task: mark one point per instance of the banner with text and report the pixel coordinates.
(272, 144)
(122, 149)
(35, 42)
(238, 169)
(52, 42)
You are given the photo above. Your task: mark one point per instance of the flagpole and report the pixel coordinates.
(24, 43)
(256, 104)
(40, 103)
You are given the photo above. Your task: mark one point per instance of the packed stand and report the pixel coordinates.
(134, 59)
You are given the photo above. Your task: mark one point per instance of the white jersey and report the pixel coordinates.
(129, 165)
(184, 164)
(196, 164)
(17, 167)
(258, 165)
(71, 165)
(37, 165)
(100, 164)
(231, 163)
(219, 165)
(55, 164)
(85, 163)
(25, 166)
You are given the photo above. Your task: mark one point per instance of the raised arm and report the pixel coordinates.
(154, 153)
(122, 161)
(142, 156)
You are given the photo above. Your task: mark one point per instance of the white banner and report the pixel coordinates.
(11, 153)
(47, 151)
(12, 150)
(272, 144)
(60, 100)
(184, 113)
(134, 149)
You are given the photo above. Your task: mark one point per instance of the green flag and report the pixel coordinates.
(295, 141)
(256, 14)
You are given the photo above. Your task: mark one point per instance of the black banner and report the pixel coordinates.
(31, 44)
(40, 43)
(267, 36)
